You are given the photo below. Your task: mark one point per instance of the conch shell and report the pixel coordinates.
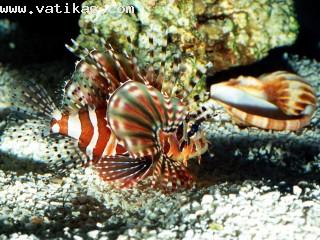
(277, 101)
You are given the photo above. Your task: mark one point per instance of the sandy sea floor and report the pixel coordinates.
(255, 184)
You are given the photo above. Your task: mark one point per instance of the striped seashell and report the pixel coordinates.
(277, 101)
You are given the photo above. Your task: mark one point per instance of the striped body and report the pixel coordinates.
(91, 129)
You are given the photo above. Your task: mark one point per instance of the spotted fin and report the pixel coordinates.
(28, 98)
(39, 127)
(26, 139)
(123, 169)
(137, 112)
(63, 154)
(81, 94)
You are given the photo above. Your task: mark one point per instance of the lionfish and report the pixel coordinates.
(126, 126)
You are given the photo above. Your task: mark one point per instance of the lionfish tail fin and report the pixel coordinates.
(38, 126)
(22, 133)
(124, 170)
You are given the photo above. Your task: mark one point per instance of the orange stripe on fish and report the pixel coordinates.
(104, 133)
(86, 130)
(91, 129)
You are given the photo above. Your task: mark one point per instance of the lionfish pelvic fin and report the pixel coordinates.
(170, 175)
(125, 170)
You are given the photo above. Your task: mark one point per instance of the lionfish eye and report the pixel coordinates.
(193, 129)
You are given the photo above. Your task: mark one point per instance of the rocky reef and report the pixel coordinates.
(223, 33)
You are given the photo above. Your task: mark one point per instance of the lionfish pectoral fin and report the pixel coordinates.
(170, 175)
(39, 127)
(137, 112)
(30, 99)
(125, 170)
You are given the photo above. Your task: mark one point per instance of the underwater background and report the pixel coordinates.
(254, 184)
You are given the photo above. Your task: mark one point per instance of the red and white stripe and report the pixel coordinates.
(92, 131)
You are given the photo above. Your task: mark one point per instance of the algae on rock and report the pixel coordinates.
(223, 33)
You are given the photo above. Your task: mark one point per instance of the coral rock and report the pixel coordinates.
(226, 33)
